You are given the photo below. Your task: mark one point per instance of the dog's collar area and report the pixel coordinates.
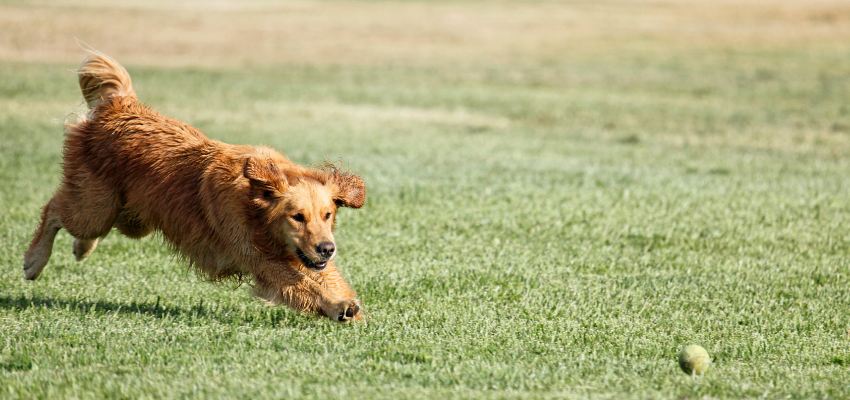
(317, 266)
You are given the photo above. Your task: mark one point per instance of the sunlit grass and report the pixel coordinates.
(535, 228)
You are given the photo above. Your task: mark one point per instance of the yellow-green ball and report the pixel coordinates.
(694, 360)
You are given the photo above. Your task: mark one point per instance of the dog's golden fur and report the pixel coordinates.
(231, 211)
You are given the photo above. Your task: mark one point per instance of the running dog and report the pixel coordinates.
(238, 212)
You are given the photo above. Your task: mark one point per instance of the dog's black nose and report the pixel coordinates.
(325, 249)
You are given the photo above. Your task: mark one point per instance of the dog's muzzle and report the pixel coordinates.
(314, 265)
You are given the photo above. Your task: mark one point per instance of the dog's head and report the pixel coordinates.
(295, 209)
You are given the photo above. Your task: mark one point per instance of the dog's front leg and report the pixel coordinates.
(298, 291)
(336, 285)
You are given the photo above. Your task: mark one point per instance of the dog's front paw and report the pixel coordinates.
(345, 310)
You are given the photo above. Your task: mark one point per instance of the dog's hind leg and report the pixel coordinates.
(42, 243)
(88, 213)
(83, 248)
(88, 209)
(127, 223)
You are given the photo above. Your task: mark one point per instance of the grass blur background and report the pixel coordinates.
(560, 196)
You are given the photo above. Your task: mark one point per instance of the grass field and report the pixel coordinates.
(561, 195)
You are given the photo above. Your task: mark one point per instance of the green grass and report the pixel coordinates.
(536, 230)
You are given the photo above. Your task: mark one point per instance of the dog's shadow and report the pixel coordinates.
(263, 317)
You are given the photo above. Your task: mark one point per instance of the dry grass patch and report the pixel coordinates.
(470, 33)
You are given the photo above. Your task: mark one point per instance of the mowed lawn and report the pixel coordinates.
(560, 196)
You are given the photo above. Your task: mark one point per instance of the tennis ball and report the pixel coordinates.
(694, 360)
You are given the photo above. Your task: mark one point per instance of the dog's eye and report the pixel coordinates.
(268, 194)
(327, 216)
(298, 217)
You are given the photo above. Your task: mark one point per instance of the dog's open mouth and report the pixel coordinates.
(314, 265)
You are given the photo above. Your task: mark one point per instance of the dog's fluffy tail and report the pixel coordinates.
(101, 77)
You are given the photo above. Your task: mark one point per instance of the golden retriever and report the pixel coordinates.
(239, 212)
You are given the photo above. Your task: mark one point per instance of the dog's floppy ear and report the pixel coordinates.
(349, 189)
(264, 175)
